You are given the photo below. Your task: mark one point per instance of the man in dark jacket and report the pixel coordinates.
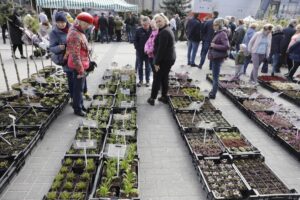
(288, 33)
(207, 36)
(275, 54)
(232, 25)
(238, 35)
(103, 28)
(141, 37)
(111, 26)
(193, 31)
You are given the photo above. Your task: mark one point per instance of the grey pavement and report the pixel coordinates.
(166, 169)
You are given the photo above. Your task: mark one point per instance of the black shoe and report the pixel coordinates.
(200, 66)
(23, 57)
(194, 65)
(289, 78)
(163, 100)
(272, 74)
(151, 101)
(147, 84)
(80, 113)
(15, 57)
(139, 84)
(211, 96)
(84, 109)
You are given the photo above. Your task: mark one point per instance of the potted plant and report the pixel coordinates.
(78, 166)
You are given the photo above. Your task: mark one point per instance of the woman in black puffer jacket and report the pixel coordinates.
(164, 59)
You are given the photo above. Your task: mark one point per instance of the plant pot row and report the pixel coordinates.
(289, 90)
(215, 149)
(273, 120)
(112, 125)
(31, 122)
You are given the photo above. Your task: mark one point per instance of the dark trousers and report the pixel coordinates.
(4, 28)
(294, 68)
(78, 85)
(246, 62)
(144, 59)
(289, 63)
(276, 62)
(216, 67)
(95, 35)
(103, 34)
(204, 50)
(118, 33)
(161, 80)
(85, 90)
(20, 47)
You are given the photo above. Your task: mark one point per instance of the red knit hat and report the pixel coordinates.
(86, 17)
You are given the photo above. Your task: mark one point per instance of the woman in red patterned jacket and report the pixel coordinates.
(78, 58)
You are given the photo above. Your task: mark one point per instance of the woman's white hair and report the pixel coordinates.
(162, 15)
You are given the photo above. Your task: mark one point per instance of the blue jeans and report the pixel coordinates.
(276, 62)
(204, 50)
(246, 63)
(143, 59)
(129, 35)
(192, 51)
(216, 67)
(78, 85)
(104, 33)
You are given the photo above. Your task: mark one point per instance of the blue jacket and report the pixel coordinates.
(193, 30)
(294, 52)
(249, 34)
(57, 37)
(276, 42)
(288, 34)
(141, 37)
(208, 31)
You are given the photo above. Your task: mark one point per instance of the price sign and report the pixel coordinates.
(120, 117)
(29, 91)
(125, 77)
(116, 151)
(99, 103)
(195, 105)
(206, 125)
(88, 144)
(89, 123)
(125, 91)
(124, 132)
(127, 104)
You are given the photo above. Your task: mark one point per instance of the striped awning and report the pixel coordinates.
(116, 5)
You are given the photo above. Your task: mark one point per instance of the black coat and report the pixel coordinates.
(111, 25)
(103, 24)
(14, 31)
(193, 30)
(208, 31)
(141, 37)
(238, 36)
(288, 33)
(276, 42)
(164, 47)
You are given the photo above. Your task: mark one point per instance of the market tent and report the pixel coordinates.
(116, 5)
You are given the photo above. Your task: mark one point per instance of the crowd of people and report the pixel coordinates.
(154, 40)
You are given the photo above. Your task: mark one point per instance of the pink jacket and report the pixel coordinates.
(77, 50)
(149, 46)
(255, 40)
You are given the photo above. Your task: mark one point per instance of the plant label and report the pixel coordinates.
(206, 125)
(195, 105)
(102, 91)
(124, 132)
(5, 140)
(125, 77)
(28, 91)
(88, 144)
(116, 150)
(120, 117)
(12, 117)
(11, 108)
(99, 103)
(125, 91)
(35, 105)
(40, 79)
(254, 96)
(127, 104)
(89, 123)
